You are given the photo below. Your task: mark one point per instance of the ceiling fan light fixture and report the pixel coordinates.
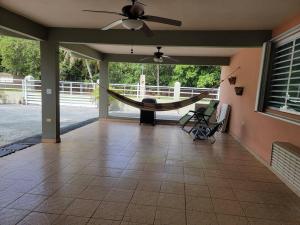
(132, 24)
(158, 60)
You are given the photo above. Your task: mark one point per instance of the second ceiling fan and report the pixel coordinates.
(135, 18)
(158, 57)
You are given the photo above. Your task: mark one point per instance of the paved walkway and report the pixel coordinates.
(19, 121)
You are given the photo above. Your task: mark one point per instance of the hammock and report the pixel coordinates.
(158, 106)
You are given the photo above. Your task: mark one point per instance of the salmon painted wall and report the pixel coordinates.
(255, 131)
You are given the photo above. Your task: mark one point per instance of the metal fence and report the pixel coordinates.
(83, 94)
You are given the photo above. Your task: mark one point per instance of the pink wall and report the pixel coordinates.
(254, 130)
(294, 21)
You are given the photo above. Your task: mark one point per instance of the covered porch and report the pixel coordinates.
(116, 172)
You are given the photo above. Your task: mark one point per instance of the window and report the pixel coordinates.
(283, 92)
(279, 84)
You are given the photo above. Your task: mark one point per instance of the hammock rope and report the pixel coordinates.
(158, 106)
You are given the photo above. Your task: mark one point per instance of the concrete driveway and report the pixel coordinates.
(20, 121)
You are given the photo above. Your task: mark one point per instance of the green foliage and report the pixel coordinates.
(20, 57)
(197, 76)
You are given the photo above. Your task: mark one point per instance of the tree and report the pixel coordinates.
(20, 57)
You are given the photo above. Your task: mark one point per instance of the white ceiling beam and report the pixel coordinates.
(21, 25)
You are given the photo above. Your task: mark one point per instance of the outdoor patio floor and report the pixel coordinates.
(112, 173)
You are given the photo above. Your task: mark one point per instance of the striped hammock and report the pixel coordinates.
(158, 106)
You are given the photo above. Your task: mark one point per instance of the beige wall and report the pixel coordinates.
(256, 131)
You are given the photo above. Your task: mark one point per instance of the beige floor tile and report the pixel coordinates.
(145, 198)
(46, 188)
(7, 197)
(61, 178)
(82, 208)
(190, 179)
(229, 207)
(271, 212)
(172, 188)
(194, 203)
(221, 192)
(193, 171)
(197, 190)
(81, 180)
(94, 193)
(109, 182)
(103, 222)
(12, 216)
(36, 218)
(255, 221)
(111, 211)
(167, 216)
(217, 182)
(127, 183)
(102, 172)
(140, 214)
(54, 205)
(70, 220)
(231, 220)
(27, 202)
(171, 201)
(119, 195)
(201, 218)
(131, 223)
(70, 190)
(149, 169)
(145, 185)
(23, 186)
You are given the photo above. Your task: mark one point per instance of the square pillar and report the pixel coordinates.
(103, 86)
(50, 92)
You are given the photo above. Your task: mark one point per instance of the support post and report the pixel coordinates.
(50, 92)
(103, 86)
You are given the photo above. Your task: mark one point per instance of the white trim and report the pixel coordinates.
(280, 118)
(261, 71)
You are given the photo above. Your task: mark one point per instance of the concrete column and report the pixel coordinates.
(104, 85)
(50, 92)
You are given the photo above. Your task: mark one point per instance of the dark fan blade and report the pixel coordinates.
(147, 30)
(113, 24)
(144, 59)
(157, 19)
(170, 58)
(107, 12)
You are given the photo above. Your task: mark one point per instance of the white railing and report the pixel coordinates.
(132, 90)
(82, 94)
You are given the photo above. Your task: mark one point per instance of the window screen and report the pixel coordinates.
(284, 86)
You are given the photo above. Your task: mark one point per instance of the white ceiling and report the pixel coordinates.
(170, 51)
(195, 14)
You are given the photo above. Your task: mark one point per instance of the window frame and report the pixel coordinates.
(264, 81)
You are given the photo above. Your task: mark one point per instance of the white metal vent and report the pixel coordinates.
(285, 162)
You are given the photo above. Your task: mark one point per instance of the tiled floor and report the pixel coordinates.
(117, 173)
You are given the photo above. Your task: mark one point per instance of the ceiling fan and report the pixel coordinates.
(136, 18)
(159, 57)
